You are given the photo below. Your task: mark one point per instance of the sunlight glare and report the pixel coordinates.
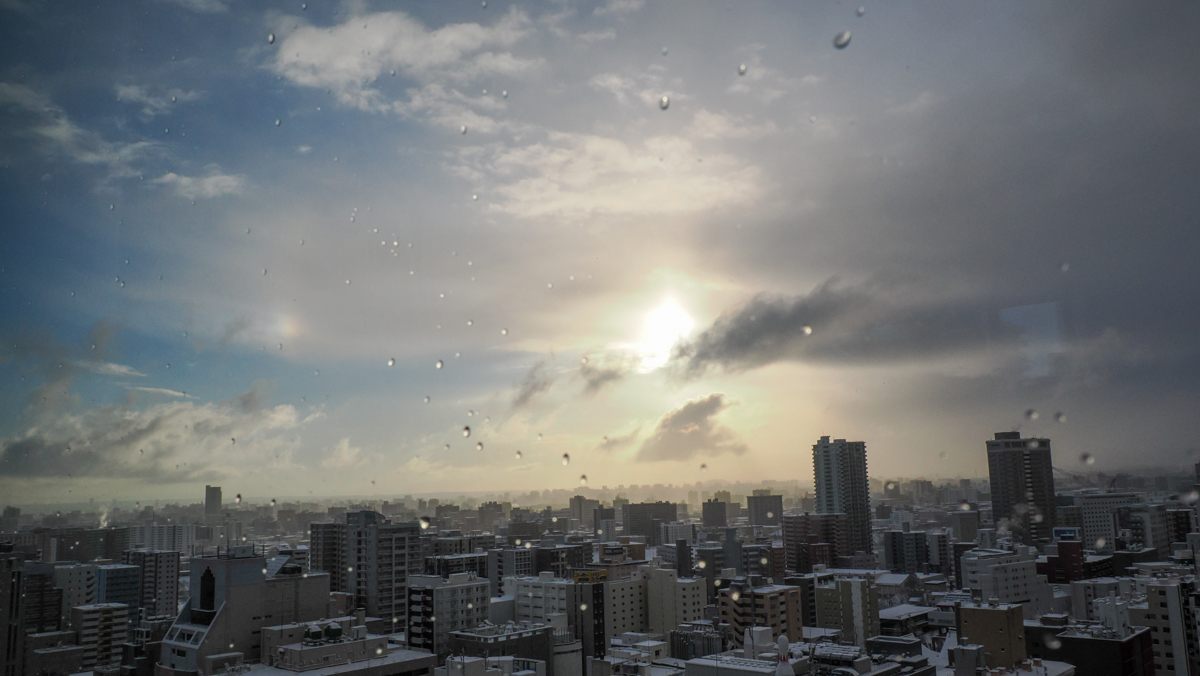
(662, 328)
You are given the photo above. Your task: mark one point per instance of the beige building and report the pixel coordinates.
(743, 605)
(101, 629)
(998, 627)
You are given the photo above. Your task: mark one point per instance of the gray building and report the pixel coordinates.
(1022, 480)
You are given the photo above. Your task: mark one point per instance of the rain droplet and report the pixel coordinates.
(504, 93)
(1065, 267)
(664, 102)
(1100, 543)
(270, 38)
(860, 11)
(392, 72)
(539, 436)
(1053, 643)
(582, 479)
(483, 4)
(348, 282)
(462, 129)
(474, 197)
(504, 332)
(1031, 414)
(703, 466)
(665, 51)
(841, 40)
(391, 361)
(438, 364)
(807, 330)
(583, 606)
(466, 431)
(519, 455)
(424, 522)
(426, 399)
(479, 445)
(232, 440)
(470, 322)
(1087, 458)
(735, 595)
(566, 459)
(278, 122)
(238, 498)
(1060, 417)
(742, 69)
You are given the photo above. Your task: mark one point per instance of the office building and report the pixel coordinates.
(119, 583)
(644, 518)
(714, 514)
(78, 584)
(1008, 576)
(906, 551)
(171, 537)
(1021, 473)
(814, 539)
(840, 477)
(12, 631)
(531, 641)
(1166, 608)
(764, 510)
(1098, 517)
(231, 598)
(508, 562)
(212, 503)
(437, 606)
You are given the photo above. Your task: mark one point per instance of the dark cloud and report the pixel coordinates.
(536, 381)
(599, 372)
(612, 443)
(691, 430)
(838, 323)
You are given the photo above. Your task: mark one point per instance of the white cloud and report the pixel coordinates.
(106, 368)
(163, 391)
(60, 136)
(578, 175)
(215, 184)
(707, 124)
(343, 456)
(598, 36)
(619, 7)
(200, 6)
(154, 102)
(348, 58)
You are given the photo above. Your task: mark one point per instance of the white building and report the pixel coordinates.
(1008, 576)
(174, 537)
(79, 587)
(672, 600)
(101, 629)
(1098, 514)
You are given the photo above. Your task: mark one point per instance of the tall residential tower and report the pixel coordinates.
(1022, 477)
(840, 476)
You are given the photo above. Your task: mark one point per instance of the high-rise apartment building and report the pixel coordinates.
(840, 477)
(371, 558)
(507, 562)
(850, 605)
(747, 603)
(906, 551)
(12, 633)
(101, 628)
(1167, 610)
(812, 539)
(118, 583)
(437, 606)
(158, 586)
(672, 600)
(998, 627)
(1022, 479)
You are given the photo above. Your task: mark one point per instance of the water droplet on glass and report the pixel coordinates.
(861, 11)
(519, 455)
(278, 122)
(391, 361)
(664, 102)
(807, 330)
(426, 399)
(583, 606)
(232, 440)
(504, 332)
(238, 498)
(348, 282)
(424, 522)
(483, 4)
(1065, 267)
(466, 431)
(479, 445)
(1087, 458)
(1192, 497)
(504, 93)
(539, 436)
(470, 322)
(438, 364)
(665, 51)
(742, 69)
(1060, 417)
(270, 38)
(474, 197)
(582, 479)
(1100, 543)
(735, 595)
(392, 72)
(1031, 414)
(462, 129)
(841, 40)
(703, 466)
(566, 459)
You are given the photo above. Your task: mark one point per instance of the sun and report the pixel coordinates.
(662, 328)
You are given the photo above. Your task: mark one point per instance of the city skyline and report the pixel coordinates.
(239, 246)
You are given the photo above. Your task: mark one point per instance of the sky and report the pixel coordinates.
(307, 248)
